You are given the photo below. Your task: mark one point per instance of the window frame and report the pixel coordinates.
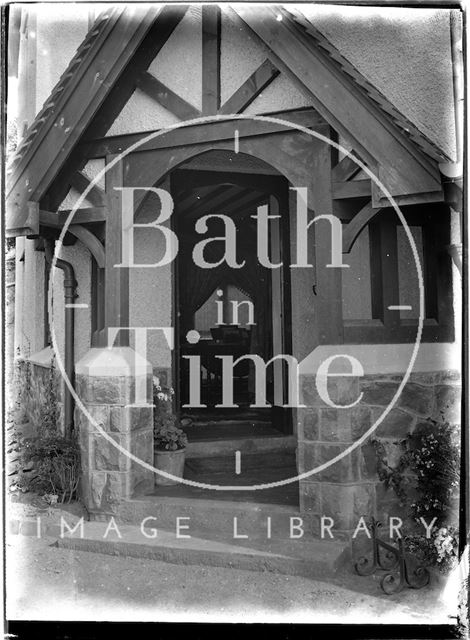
(386, 326)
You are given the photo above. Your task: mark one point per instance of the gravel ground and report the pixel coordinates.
(48, 583)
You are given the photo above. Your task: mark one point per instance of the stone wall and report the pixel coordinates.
(350, 488)
(106, 382)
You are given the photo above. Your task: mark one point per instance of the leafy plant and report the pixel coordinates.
(167, 434)
(426, 477)
(393, 476)
(434, 460)
(428, 467)
(55, 466)
(439, 550)
(50, 461)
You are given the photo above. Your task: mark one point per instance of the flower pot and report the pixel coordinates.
(171, 462)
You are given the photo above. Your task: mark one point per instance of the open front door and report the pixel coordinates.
(237, 311)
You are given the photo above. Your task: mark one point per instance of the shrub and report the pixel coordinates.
(55, 464)
(426, 478)
(50, 461)
(439, 550)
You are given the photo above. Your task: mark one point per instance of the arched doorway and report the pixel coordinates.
(263, 170)
(237, 307)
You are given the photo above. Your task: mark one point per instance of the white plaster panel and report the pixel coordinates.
(33, 299)
(179, 63)
(92, 169)
(150, 289)
(282, 94)
(71, 200)
(240, 55)
(141, 113)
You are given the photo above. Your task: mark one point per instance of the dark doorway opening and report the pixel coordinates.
(235, 311)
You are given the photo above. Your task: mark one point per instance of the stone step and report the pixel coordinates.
(214, 517)
(319, 559)
(268, 460)
(216, 447)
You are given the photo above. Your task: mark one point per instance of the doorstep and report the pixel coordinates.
(318, 559)
(216, 518)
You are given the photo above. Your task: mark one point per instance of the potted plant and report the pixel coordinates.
(170, 440)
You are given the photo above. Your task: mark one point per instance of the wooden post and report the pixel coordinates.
(116, 312)
(389, 262)
(328, 286)
(210, 59)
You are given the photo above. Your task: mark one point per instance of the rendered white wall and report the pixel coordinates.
(179, 62)
(150, 289)
(60, 29)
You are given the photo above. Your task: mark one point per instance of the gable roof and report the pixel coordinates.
(417, 130)
(65, 85)
(89, 78)
(106, 50)
(403, 168)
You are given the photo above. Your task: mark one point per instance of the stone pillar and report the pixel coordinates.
(106, 384)
(343, 491)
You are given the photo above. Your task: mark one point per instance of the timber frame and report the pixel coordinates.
(80, 111)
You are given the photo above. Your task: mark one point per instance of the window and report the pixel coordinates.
(382, 274)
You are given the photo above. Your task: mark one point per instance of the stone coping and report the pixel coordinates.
(385, 358)
(116, 361)
(42, 358)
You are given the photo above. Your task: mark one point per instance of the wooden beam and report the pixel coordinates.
(195, 178)
(249, 202)
(202, 133)
(81, 182)
(75, 105)
(345, 170)
(156, 90)
(114, 92)
(379, 199)
(356, 225)
(327, 301)
(116, 278)
(185, 200)
(251, 88)
(214, 203)
(81, 216)
(143, 169)
(211, 22)
(384, 271)
(351, 189)
(338, 98)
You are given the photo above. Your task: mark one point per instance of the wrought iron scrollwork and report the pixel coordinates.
(387, 557)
